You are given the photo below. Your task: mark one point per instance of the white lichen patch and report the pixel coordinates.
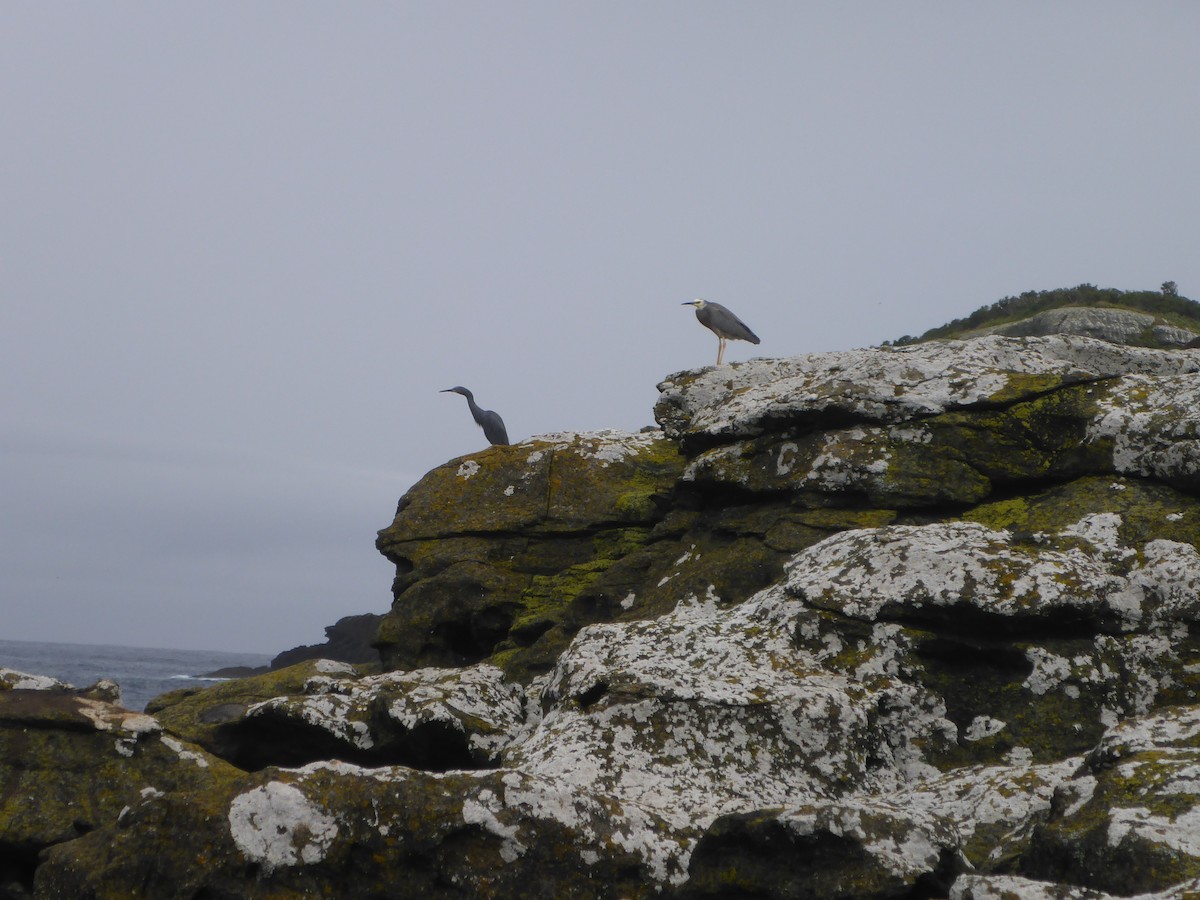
(1153, 423)
(605, 446)
(276, 825)
(343, 717)
(893, 384)
(854, 459)
(482, 810)
(1049, 670)
(107, 717)
(22, 681)
(334, 667)
(711, 710)
(1176, 728)
(1180, 833)
(978, 797)
(900, 839)
(983, 727)
(838, 461)
(1085, 570)
(467, 469)
(1010, 887)
(478, 701)
(183, 753)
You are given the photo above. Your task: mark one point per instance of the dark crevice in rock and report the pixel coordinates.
(18, 863)
(938, 882)
(474, 640)
(593, 694)
(754, 855)
(790, 426)
(1001, 659)
(549, 484)
(526, 635)
(967, 624)
(255, 743)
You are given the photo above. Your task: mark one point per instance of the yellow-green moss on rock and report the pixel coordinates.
(70, 765)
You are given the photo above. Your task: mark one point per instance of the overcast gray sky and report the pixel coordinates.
(244, 245)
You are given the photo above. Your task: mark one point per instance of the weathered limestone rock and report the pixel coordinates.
(1119, 326)
(914, 622)
(889, 385)
(849, 849)
(216, 717)
(1130, 822)
(383, 832)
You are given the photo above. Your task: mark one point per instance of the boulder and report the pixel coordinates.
(703, 407)
(1129, 821)
(494, 551)
(73, 762)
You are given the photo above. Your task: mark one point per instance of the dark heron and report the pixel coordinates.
(721, 322)
(490, 422)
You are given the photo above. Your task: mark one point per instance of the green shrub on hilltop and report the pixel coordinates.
(1166, 303)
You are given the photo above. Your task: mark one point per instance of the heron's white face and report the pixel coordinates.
(698, 303)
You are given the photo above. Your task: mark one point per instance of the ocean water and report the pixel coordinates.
(142, 672)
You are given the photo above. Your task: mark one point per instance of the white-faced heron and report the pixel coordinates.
(721, 322)
(490, 422)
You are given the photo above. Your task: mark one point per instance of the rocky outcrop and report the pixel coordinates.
(350, 639)
(505, 554)
(912, 622)
(73, 762)
(1119, 326)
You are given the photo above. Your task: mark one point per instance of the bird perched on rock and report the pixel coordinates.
(490, 422)
(721, 322)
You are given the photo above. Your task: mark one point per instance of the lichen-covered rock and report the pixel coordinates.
(1153, 425)
(1012, 887)
(1130, 821)
(333, 829)
(494, 551)
(1012, 633)
(71, 764)
(992, 809)
(11, 679)
(896, 622)
(1082, 574)
(883, 385)
(435, 719)
(1140, 425)
(722, 714)
(213, 717)
(1119, 326)
(856, 848)
(551, 483)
